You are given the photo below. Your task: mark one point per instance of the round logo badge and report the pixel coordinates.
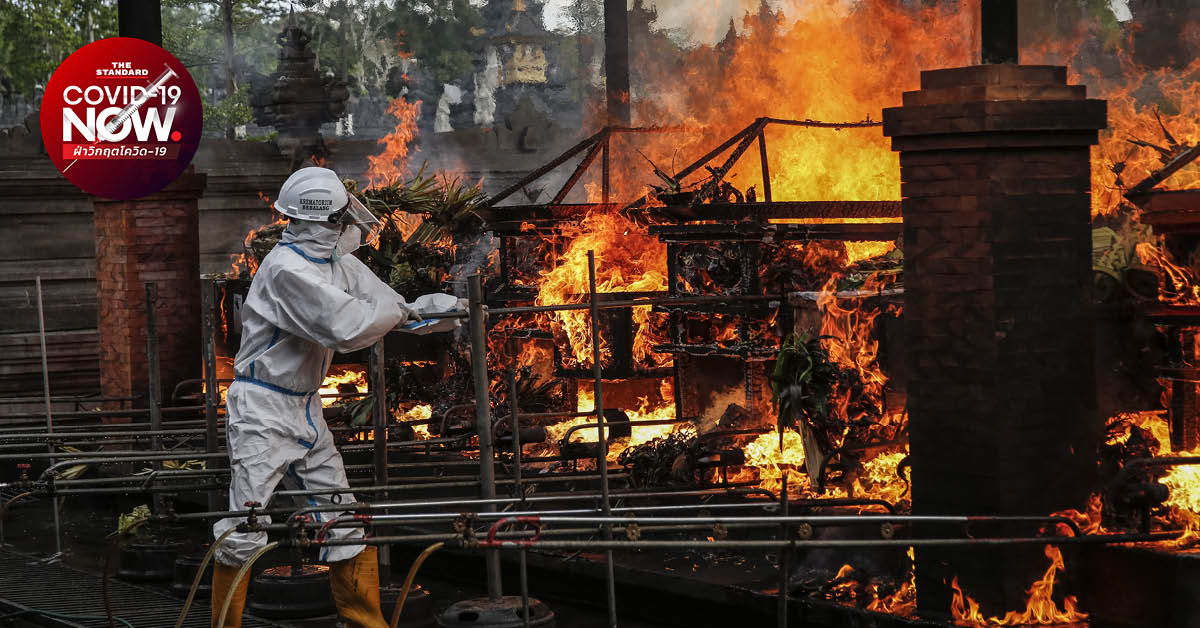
(121, 118)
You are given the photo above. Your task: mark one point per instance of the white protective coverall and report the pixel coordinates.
(303, 305)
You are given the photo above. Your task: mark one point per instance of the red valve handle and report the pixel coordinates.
(533, 520)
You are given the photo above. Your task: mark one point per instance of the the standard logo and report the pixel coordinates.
(121, 118)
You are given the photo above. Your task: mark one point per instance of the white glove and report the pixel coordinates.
(464, 305)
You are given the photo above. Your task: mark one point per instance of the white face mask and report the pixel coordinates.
(348, 242)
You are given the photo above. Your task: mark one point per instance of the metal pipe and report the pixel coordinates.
(828, 519)
(424, 517)
(605, 168)
(92, 458)
(516, 534)
(114, 456)
(483, 415)
(597, 544)
(537, 416)
(129, 439)
(762, 521)
(602, 436)
(614, 305)
(646, 302)
(212, 393)
(785, 557)
(519, 490)
(143, 479)
(92, 414)
(500, 501)
(367, 445)
(59, 433)
(591, 426)
(70, 443)
(766, 168)
(63, 398)
(379, 436)
(123, 490)
(817, 124)
(49, 412)
(154, 384)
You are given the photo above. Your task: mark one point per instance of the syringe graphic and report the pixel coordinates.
(135, 104)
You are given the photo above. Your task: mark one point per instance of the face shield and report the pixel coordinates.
(355, 214)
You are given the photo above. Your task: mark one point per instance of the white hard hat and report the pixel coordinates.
(312, 194)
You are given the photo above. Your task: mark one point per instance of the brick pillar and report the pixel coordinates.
(151, 239)
(996, 178)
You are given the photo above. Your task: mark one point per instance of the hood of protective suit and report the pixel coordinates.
(315, 239)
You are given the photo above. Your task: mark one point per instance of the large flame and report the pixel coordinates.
(1182, 481)
(391, 164)
(1041, 608)
(1137, 100)
(627, 260)
(836, 61)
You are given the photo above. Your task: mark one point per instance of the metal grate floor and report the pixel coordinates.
(26, 583)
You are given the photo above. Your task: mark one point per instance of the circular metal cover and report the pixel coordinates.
(502, 613)
(148, 561)
(277, 594)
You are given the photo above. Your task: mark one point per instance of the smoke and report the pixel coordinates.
(680, 17)
(707, 27)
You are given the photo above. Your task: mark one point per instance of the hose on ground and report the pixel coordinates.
(200, 576)
(408, 582)
(7, 504)
(238, 579)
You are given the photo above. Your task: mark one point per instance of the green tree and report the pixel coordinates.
(222, 43)
(36, 35)
(444, 36)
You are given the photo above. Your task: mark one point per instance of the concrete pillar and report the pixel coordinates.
(151, 239)
(996, 175)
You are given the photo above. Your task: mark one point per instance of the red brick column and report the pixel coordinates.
(996, 175)
(150, 239)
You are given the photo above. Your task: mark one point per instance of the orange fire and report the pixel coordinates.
(1182, 481)
(764, 458)
(838, 62)
(244, 264)
(647, 411)
(1089, 521)
(904, 601)
(421, 412)
(1039, 610)
(850, 327)
(627, 260)
(391, 165)
(1180, 281)
(1133, 116)
(847, 588)
(334, 381)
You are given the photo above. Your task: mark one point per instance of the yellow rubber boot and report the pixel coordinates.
(222, 585)
(355, 584)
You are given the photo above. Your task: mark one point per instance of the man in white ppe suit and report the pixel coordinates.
(309, 298)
